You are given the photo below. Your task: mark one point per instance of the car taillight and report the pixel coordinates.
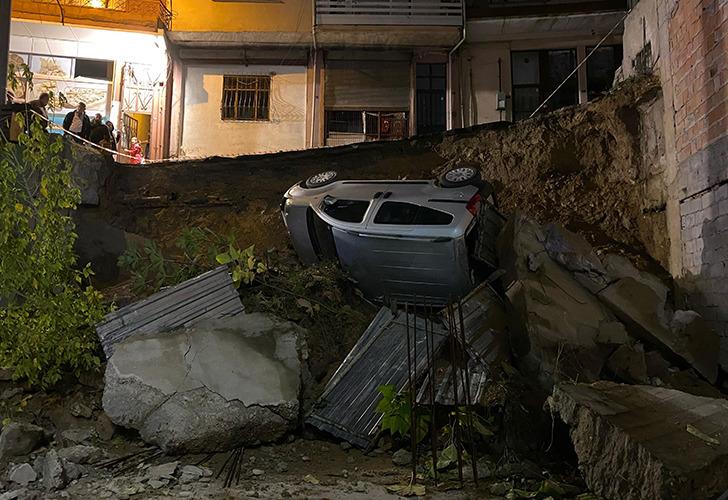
(474, 204)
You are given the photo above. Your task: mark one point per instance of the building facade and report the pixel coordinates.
(517, 53)
(109, 54)
(686, 44)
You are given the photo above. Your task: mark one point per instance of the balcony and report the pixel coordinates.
(389, 12)
(141, 15)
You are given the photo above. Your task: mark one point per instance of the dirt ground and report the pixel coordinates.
(302, 466)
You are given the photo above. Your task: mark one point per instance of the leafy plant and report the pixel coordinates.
(243, 264)
(195, 251)
(48, 310)
(20, 76)
(396, 411)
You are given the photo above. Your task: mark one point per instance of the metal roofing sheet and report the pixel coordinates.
(346, 409)
(208, 296)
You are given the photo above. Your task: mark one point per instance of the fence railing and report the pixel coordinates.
(390, 12)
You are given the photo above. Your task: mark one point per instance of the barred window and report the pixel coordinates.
(245, 98)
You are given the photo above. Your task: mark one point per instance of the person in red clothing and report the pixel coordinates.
(136, 152)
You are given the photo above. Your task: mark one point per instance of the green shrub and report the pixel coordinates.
(47, 309)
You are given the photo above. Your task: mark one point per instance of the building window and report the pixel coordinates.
(600, 69)
(348, 127)
(245, 98)
(536, 74)
(94, 69)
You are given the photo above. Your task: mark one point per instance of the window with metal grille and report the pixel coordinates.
(245, 98)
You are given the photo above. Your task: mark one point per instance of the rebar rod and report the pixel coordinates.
(411, 389)
(454, 368)
(431, 375)
(468, 402)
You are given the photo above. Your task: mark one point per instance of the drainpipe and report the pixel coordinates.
(314, 88)
(449, 69)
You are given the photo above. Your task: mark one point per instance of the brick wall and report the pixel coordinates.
(698, 58)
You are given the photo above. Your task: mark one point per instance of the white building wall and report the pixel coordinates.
(205, 133)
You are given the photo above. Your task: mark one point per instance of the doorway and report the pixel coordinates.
(431, 88)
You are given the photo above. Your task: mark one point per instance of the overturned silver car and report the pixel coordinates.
(398, 238)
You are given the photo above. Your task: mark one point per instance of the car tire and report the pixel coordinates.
(321, 179)
(463, 175)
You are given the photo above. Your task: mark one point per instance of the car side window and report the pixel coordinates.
(345, 210)
(409, 214)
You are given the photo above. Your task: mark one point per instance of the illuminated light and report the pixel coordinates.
(97, 4)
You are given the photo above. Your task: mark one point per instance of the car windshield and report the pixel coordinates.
(400, 213)
(345, 210)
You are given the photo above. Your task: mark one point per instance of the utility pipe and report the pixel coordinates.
(450, 73)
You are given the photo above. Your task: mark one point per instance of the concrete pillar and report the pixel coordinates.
(581, 75)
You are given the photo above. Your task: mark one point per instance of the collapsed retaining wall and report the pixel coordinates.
(581, 166)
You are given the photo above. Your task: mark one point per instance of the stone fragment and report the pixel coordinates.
(281, 467)
(682, 335)
(162, 471)
(22, 474)
(635, 441)
(575, 254)
(612, 333)
(155, 484)
(54, 474)
(257, 472)
(628, 363)
(77, 436)
(19, 439)
(192, 473)
(79, 409)
(81, 454)
(214, 386)
(105, 428)
(402, 457)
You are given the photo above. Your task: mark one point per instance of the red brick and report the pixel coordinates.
(718, 129)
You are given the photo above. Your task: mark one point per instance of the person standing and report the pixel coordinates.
(78, 122)
(39, 106)
(136, 152)
(100, 133)
(115, 136)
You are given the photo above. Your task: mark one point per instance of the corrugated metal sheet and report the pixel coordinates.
(210, 295)
(346, 409)
(485, 344)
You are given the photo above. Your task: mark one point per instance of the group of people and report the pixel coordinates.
(94, 130)
(104, 134)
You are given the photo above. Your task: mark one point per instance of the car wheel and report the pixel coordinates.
(321, 179)
(463, 175)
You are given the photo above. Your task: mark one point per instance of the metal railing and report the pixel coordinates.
(151, 13)
(390, 12)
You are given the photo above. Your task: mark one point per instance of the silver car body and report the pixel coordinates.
(389, 260)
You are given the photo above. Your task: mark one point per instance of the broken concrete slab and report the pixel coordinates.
(210, 387)
(643, 442)
(682, 335)
(558, 325)
(208, 296)
(618, 267)
(574, 253)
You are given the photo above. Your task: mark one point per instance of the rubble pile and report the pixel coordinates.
(582, 318)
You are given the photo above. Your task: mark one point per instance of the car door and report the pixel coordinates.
(407, 249)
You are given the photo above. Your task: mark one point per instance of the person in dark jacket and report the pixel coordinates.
(78, 122)
(100, 133)
(39, 107)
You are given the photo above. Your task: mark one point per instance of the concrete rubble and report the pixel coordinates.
(579, 317)
(210, 387)
(644, 442)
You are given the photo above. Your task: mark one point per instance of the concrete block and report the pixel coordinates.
(722, 192)
(644, 442)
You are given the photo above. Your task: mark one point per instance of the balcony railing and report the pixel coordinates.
(390, 12)
(144, 14)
